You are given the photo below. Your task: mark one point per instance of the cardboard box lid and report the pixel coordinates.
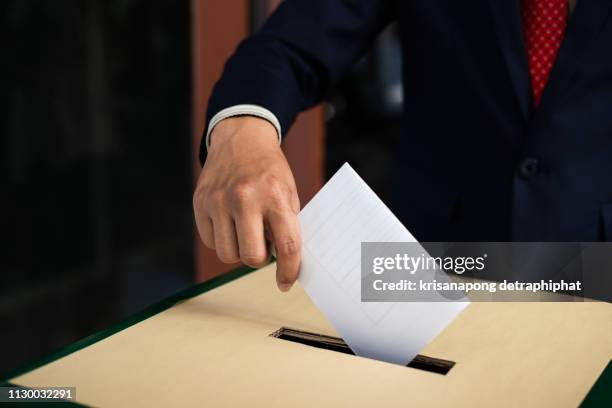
(215, 350)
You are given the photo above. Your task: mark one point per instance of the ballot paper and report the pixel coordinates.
(343, 214)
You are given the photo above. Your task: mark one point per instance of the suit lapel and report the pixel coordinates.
(587, 19)
(508, 25)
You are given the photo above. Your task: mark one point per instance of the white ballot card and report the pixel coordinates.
(345, 213)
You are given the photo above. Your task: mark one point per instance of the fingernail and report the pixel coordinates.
(284, 287)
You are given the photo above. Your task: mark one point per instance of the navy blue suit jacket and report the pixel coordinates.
(476, 162)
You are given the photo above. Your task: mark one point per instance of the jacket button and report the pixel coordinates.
(529, 167)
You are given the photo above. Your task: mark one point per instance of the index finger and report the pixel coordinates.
(286, 236)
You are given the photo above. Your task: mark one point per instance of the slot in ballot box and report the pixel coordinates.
(216, 349)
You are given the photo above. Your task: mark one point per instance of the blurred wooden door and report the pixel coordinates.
(218, 27)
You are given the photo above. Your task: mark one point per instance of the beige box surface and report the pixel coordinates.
(215, 350)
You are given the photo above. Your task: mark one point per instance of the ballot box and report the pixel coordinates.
(238, 341)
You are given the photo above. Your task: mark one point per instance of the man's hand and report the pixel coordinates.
(245, 193)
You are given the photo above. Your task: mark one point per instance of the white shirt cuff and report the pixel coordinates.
(240, 110)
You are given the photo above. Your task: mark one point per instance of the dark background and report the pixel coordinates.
(96, 172)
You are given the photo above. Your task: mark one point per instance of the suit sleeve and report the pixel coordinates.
(301, 50)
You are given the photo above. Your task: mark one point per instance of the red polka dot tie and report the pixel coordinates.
(544, 23)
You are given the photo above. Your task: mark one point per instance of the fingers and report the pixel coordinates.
(225, 238)
(205, 227)
(285, 230)
(237, 234)
(251, 239)
(203, 221)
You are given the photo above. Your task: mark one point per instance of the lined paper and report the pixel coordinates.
(343, 214)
